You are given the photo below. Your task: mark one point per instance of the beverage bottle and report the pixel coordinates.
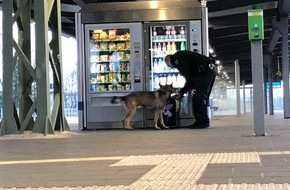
(182, 46)
(159, 50)
(174, 81)
(169, 79)
(167, 33)
(173, 47)
(182, 33)
(155, 49)
(173, 32)
(168, 48)
(160, 65)
(182, 83)
(164, 51)
(178, 84)
(162, 80)
(154, 33)
(155, 65)
(156, 82)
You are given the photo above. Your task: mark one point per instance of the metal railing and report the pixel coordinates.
(68, 112)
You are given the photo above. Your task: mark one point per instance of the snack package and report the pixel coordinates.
(96, 34)
(103, 35)
(103, 46)
(112, 34)
(112, 46)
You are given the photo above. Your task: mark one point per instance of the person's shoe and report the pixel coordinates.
(197, 125)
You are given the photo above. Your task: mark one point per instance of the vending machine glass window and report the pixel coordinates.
(109, 60)
(164, 40)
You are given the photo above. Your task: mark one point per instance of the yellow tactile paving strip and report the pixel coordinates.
(240, 157)
(177, 171)
(61, 160)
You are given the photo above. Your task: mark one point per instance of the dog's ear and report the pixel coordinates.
(171, 85)
(160, 85)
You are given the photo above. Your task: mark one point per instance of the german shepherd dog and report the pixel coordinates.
(155, 100)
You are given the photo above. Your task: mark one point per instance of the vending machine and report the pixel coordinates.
(165, 38)
(113, 65)
(121, 50)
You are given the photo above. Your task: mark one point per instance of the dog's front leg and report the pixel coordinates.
(162, 121)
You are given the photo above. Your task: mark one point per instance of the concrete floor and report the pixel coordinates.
(225, 156)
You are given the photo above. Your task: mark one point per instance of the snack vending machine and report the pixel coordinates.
(113, 66)
(166, 38)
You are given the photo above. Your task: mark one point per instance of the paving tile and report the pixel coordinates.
(277, 174)
(254, 180)
(226, 156)
(213, 180)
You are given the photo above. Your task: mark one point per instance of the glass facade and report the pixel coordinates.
(224, 98)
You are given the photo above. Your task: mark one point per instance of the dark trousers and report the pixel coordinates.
(203, 87)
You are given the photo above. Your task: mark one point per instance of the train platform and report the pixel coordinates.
(224, 156)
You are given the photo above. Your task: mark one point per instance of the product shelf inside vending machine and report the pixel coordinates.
(110, 60)
(166, 40)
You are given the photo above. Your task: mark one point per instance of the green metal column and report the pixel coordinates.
(58, 119)
(17, 62)
(43, 120)
(8, 125)
(26, 71)
(48, 54)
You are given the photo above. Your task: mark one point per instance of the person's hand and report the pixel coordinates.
(176, 96)
(193, 92)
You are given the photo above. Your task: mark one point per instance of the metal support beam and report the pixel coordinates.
(48, 12)
(244, 96)
(237, 84)
(26, 71)
(284, 7)
(282, 26)
(43, 121)
(273, 39)
(257, 75)
(56, 65)
(285, 66)
(80, 3)
(205, 42)
(81, 69)
(269, 63)
(265, 73)
(20, 106)
(8, 125)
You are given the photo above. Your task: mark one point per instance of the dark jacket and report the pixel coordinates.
(190, 66)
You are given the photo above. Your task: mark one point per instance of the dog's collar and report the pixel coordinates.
(162, 91)
(165, 92)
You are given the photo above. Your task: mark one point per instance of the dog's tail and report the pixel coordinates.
(118, 99)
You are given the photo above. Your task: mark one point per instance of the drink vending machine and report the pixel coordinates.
(121, 49)
(166, 38)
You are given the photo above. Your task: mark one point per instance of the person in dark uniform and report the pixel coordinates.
(199, 73)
